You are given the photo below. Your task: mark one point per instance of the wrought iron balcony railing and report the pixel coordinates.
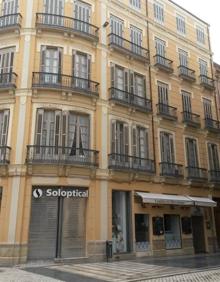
(167, 111)
(163, 63)
(191, 119)
(61, 155)
(8, 80)
(65, 83)
(171, 169)
(129, 99)
(67, 24)
(126, 162)
(207, 82)
(196, 173)
(212, 125)
(187, 73)
(11, 21)
(214, 176)
(4, 155)
(127, 47)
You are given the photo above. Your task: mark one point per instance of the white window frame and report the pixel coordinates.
(158, 9)
(181, 24)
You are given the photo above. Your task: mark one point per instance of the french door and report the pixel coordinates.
(160, 51)
(4, 121)
(6, 65)
(136, 40)
(54, 10)
(187, 107)
(9, 9)
(81, 69)
(82, 14)
(116, 30)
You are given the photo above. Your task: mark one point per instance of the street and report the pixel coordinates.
(184, 268)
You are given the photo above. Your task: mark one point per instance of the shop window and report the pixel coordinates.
(121, 221)
(142, 232)
(186, 225)
(158, 226)
(172, 231)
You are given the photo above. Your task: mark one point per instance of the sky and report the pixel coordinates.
(209, 11)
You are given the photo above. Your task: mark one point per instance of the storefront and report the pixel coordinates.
(171, 223)
(57, 223)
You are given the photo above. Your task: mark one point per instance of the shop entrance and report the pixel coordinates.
(142, 232)
(217, 220)
(198, 234)
(172, 231)
(57, 227)
(121, 227)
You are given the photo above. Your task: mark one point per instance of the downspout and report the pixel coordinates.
(217, 116)
(150, 86)
(212, 72)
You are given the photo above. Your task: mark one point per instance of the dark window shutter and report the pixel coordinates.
(89, 66)
(134, 141)
(132, 82)
(113, 137)
(39, 125)
(126, 139)
(126, 86)
(43, 51)
(112, 75)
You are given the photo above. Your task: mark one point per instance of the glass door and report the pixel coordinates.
(142, 235)
(172, 231)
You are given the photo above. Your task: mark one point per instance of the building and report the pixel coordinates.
(109, 130)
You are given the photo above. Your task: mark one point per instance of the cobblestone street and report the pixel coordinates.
(187, 268)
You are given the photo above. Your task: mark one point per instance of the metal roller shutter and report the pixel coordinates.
(73, 228)
(43, 228)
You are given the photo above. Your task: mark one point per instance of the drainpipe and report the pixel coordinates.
(212, 72)
(150, 85)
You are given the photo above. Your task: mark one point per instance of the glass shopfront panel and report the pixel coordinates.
(172, 231)
(142, 232)
(121, 221)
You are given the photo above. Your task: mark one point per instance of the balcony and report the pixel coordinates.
(130, 100)
(196, 174)
(8, 81)
(212, 125)
(4, 155)
(128, 48)
(10, 22)
(171, 169)
(166, 111)
(59, 23)
(191, 119)
(61, 155)
(130, 163)
(214, 176)
(163, 63)
(207, 82)
(60, 82)
(187, 74)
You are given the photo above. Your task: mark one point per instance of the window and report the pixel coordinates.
(136, 3)
(180, 24)
(0, 198)
(51, 60)
(82, 14)
(125, 81)
(158, 12)
(6, 64)
(9, 7)
(136, 40)
(163, 94)
(186, 100)
(191, 153)
(207, 105)
(120, 139)
(117, 26)
(183, 58)
(55, 128)
(4, 123)
(81, 70)
(54, 9)
(160, 46)
(140, 142)
(213, 157)
(200, 34)
(203, 67)
(167, 147)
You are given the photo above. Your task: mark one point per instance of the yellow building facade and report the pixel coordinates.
(109, 131)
